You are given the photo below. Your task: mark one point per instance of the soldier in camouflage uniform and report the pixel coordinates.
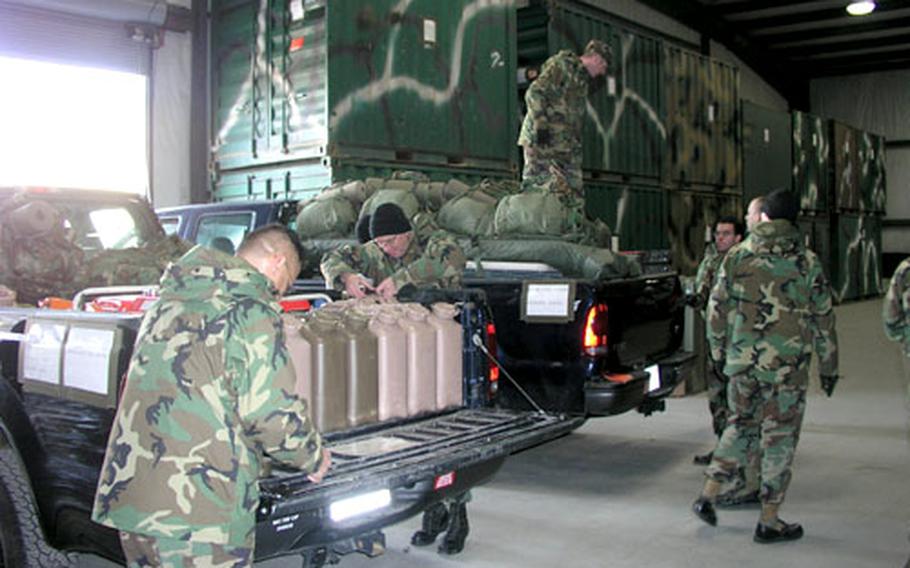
(896, 317)
(551, 133)
(770, 304)
(208, 394)
(727, 232)
(395, 256)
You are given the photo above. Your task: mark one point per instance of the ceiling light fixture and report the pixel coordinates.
(860, 8)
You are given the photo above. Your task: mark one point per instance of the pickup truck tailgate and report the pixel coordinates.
(397, 472)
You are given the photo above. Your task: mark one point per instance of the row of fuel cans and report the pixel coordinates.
(360, 361)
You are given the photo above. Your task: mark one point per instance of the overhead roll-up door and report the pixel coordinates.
(36, 34)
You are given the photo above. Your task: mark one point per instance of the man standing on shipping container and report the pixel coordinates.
(209, 393)
(551, 133)
(395, 256)
(770, 305)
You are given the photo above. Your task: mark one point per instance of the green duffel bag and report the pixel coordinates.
(404, 198)
(326, 218)
(531, 214)
(572, 260)
(470, 215)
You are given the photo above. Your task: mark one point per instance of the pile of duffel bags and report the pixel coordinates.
(493, 220)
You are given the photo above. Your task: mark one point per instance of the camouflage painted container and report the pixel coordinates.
(282, 181)
(636, 214)
(858, 258)
(767, 149)
(811, 161)
(816, 230)
(421, 82)
(624, 131)
(845, 171)
(703, 121)
(872, 172)
(691, 217)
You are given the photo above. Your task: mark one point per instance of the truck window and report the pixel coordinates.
(112, 228)
(224, 231)
(171, 225)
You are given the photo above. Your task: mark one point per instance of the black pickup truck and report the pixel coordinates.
(60, 378)
(614, 347)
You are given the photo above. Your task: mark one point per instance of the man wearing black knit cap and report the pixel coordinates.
(393, 258)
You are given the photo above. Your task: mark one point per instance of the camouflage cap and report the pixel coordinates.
(601, 48)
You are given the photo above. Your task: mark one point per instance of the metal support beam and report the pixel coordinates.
(200, 191)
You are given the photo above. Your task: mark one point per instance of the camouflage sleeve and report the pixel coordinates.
(704, 279)
(893, 309)
(442, 263)
(337, 263)
(824, 333)
(719, 312)
(273, 416)
(545, 94)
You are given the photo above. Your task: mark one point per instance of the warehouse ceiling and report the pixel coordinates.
(792, 41)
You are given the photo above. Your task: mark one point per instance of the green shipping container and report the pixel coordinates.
(636, 214)
(421, 82)
(857, 271)
(703, 121)
(767, 149)
(845, 170)
(624, 131)
(690, 222)
(816, 230)
(872, 172)
(303, 181)
(811, 161)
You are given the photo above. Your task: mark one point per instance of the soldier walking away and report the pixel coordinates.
(551, 133)
(896, 320)
(770, 305)
(209, 393)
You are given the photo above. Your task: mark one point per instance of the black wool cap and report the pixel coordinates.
(388, 219)
(363, 229)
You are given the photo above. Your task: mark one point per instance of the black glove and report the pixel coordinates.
(828, 384)
(691, 300)
(719, 367)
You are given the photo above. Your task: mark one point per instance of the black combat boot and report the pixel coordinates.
(453, 541)
(781, 532)
(435, 520)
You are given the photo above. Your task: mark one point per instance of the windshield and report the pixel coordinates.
(94, 226)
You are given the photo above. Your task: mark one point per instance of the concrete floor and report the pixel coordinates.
(617, 491)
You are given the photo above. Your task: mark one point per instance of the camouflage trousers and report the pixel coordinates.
(745, 480)
(766, 415)
(554, 170)
(143, 551)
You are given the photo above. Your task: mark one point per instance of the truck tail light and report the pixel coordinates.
(594, 339)
(493, 372)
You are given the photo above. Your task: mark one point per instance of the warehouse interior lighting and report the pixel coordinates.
(70, 126)
(860, 8)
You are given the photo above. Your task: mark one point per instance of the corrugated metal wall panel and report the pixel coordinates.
(767, 150)
(636, 214)
(811, 161)
(691, 217)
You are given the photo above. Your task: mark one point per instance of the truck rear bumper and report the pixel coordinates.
(615, 394)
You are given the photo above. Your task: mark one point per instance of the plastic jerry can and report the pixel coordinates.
(449, 361)
(421, 358)
(300, 350)
(362, 370)
(329, 378)
(391, 343)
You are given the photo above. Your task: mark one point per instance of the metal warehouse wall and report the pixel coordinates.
(752, 86)
(879, 103)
